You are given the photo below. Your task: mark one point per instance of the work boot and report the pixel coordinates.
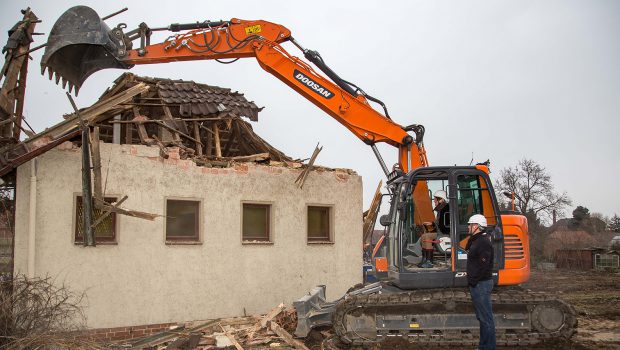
(428, 263)
(423, 259)
(431, 257)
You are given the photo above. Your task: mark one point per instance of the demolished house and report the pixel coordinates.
(195, 216)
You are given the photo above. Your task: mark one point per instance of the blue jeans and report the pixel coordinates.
(481, 298)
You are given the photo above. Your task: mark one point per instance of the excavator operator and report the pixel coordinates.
(443, 211)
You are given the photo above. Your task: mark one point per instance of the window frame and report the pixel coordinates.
(330, 224)
(79, 239)
(184, 240)
(270, 225)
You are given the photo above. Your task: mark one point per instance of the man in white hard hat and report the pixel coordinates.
(440, 198)
(480, 278)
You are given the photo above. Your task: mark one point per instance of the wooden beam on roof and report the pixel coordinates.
(92, 113)
(218, 148)
(144, 137)
(166, 134)
(197, 137)
(209, 138)
(241, 139)
(96, 159)
(250, 158)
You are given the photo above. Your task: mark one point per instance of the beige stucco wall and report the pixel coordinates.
(142, 280)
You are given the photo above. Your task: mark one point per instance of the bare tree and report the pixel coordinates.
(533, 189)
(36, 314)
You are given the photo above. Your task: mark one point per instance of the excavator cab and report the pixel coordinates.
(80, 44)
(469, 192)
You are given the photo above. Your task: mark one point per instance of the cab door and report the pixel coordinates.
(471, 193)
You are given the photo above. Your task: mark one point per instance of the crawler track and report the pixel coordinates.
(445, 317)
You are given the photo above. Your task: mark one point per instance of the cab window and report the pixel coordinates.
(474, 198)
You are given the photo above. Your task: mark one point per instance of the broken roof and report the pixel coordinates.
(203, 121)
(193, 99)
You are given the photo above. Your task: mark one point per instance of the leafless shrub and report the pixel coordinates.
(37, 314)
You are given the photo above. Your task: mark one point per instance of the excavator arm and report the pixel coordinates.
(80, 44)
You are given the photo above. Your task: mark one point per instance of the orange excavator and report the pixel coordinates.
(429, 305)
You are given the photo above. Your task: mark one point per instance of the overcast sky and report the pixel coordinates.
(499, 80)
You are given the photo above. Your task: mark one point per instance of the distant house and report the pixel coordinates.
(577, 258)
(564, 239)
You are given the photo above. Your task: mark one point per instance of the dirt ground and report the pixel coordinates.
(595, 296)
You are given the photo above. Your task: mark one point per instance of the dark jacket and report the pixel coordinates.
(443, 217)
(479, 258)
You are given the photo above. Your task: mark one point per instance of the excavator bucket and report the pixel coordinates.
(80, 44)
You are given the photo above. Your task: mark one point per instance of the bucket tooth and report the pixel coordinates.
(70, 87)
(57, 77)
(50, 73)
(77, 90)
(42, 70)
(64, 82)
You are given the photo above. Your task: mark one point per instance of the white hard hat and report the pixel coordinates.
(441, 194)
(478, 219)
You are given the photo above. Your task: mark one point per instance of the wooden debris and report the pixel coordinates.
(301, 179)
(218, 147)
(286, 336)
(134, 213)
(197, 137)
(96, 164)
(273, 313)
(106, 209)
(232, 339)
(250, 158)
(93, 113)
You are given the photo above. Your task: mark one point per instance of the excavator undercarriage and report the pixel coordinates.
(435, 316)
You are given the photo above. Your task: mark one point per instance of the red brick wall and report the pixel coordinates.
(125, 333)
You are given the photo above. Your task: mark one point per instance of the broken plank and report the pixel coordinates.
(91, 113)
(106, 210)
(232, 339)
(250, 158)
(134, 213)
(273, 313)
(286, 336)
(301, 179)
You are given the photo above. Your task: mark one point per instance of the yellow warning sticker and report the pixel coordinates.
(253, 29)
(414, 325)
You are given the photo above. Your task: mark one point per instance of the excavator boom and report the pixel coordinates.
(81, 43)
